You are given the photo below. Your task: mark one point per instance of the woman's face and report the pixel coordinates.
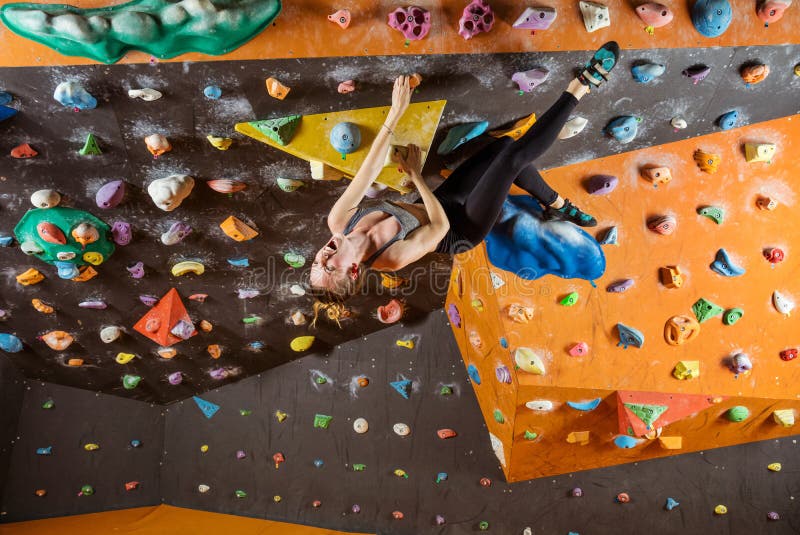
(332, 261)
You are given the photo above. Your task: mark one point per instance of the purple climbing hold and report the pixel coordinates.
(620, 286)
(183, 330)
(535, 18)
(356, 508)
(218, 373)
(175, 378)
(240, 454)
(248, 294)
(95, 304)
(412, 21)
(773, 515)
(110, 194)
(601, 184)
(176, 233)
(503, 374)
(697, 73)
(740, 363)
(454, 315)
(529, 80)
(121, 233)
(149, 300)
(439, 520)
(476, 18)
(137, 271)
(577, 492)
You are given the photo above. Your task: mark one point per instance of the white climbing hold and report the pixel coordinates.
(45, 198)
(296, 289)
(110, 333)
(401, 429)
(540, 405)
(146, 94)
(678, 123)
(782, 303)
(360, 426)
(573, 127)
(497, 447)
(168, 193)
(595, 16)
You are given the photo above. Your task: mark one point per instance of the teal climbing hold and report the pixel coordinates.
(628, 336)
(162, 28)
(209, 409)
(625, 442)
(10, 343)
(585, 406)
(671, 504)
(646, 412)
(280, 130)
(458, 135)
(705, 310)
(714, 213)
(403, 387)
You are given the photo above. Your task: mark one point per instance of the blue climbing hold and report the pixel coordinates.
(503, 342)
(239, 262)
(10, 343)
(73, 95)
(6, 241)
(628, 336)
(209, 409)
(472, 371)
(345, 138)
(671, 504)
(609, 237)
(728, 120)
(403, 387)
(6, 112)
(711, 17)
(44, 451)
(624, 128)
(625, 442)
(66, 270)
(722, 264)
(458, 135)
(135, 443)
(585, 406)
(647, 72)
(212, 92)
(256, 345)
(318, 463)
(5, 98)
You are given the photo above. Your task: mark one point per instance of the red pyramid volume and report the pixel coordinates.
(159, 321)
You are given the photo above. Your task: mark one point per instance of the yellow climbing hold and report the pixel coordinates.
(204, 448)
(408, 344)
(785, 417)
(93, 258)
(720, 510)
(124, 358)
(188, 266)
(686, 369)
(759, 152)
(392, 281)
(280, 416)
(301, 343)
(529, 361)
(221, 143)
(91, 447)
(578, 437)
(774, 467)
(30, 277)
(671, 443)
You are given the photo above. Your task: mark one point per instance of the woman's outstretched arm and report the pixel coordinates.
(373, 163)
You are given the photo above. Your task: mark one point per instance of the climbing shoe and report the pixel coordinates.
(596, 70)
(569, 212)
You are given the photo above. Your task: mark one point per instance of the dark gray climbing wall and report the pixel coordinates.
(80, 417)
(11, 392)
(476, 86)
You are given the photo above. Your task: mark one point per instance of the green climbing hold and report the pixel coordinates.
(498, 416)
(90, 148)
(738, 413)
(705, 310)
(86, 490)
(714, 213)
(162, 28)
(294, 260)
(322, 421)
(240, 494)
(530, 435)
(732, 316)
(130, 381)
(289, 184)
(483, 525)
(49, 404)
(320, 380)
(445, 391)
(245, 412)
(570, 299)
(646, 413)
(280, 130)
(249, 320)
(359, 467)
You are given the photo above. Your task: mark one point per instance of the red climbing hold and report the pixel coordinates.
(51, 233)
(166, 314)
(23, 151)
(788, 354)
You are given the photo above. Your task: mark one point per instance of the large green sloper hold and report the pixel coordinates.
(162, 28)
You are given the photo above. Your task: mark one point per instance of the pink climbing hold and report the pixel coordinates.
(578, 350)
(390, 312)
(413, 22)
(121, 233)
(654, 15)
(529, 80)
(477, 17)
(348, 86)
(664, 225)
(341, 17)
(772, 10)
(536, 18)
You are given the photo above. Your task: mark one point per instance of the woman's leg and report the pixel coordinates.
(462, 180)
(555, 206)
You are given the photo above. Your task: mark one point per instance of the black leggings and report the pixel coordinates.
(473, 195)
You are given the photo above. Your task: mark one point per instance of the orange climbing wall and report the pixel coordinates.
(762, 332)
(158, 521)
(369, 35)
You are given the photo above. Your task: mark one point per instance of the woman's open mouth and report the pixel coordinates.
(332, 245)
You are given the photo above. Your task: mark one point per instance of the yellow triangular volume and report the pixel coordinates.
(311, 139)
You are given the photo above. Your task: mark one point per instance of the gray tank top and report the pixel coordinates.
(408, 222)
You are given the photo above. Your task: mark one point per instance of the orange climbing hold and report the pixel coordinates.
(214, 350)
(671, 276)
(42, 307)
(657, 175)
(341, 17)
(23, 151)
(166, 352)
(30, 277)
(414, 80)
(706, 161)
(754, 74)
(57, 340)
(237, 229)
(159, 321)
(276, 89)
(85, 273)
(75, 362)
(671, 443)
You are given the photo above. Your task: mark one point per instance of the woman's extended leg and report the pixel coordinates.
(555, 206)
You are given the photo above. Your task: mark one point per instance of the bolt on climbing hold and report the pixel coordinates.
(212, 92)
(341, 18)
(714, 213)
(620, 286)
(49, 404)
(753, 74)
(773, 515)
(483, 525)
(766, 203)
(788, 354)
(176, 233)
(678, 123)
(73, 95)
(348, 86)
(445, 391)
(732, 316)
(720, 510)
(131, 485)
(129, 382)
(610, 236)
(529, 80)
(527, 360)
(86, 490)
(519, 313)
(572, 128)
(169, 192)
(628, 336)
(737, 413)
(704, 310)
(220, 143)
(595, 16)
(413, 22)
(42, 307)
(91, 447)
(707, 162)
(536, 18)
(772, 11)
(124, 358)
(723, 265)
(485, 482)
(476, 18)
(774, 255)
(322, 421)
(728, 120)
(570, 299)
(45, 198)
(401, 429)
(681, 329)
(276, 89)
(774, 467)
(23, 152)
(647, 72)
(711, 18)
(345, 138)
(622, 497)
(664, 225)
(784, 417)
(578, 437)
(214, 350)
(400, 473)
(697, 73)
(90, 147)
(391, 312)
(237, 229)
(460, 134)
(601, 184)
(294, 260)
(187, 266)
(40, 493)
(686, 369)
(654, 15)
(240, 493)
(408, 344)
(623, 128)
(671, 276)
(579, 350)
(157, 145)
(147, 94)
(782, 303)
(121, 233)
(202, 488)
(759, 152)
(206, 326)
(740, 363)
(280, 416)
(397, 515)
(136, 270)
(503, 374)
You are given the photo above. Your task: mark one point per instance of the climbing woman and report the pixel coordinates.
(388, 235)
